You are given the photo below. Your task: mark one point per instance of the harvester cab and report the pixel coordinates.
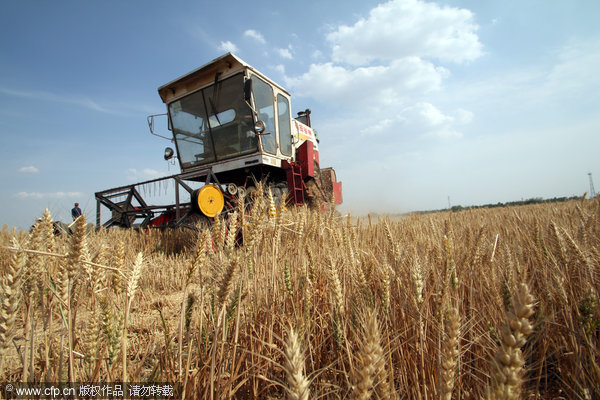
(231, 127)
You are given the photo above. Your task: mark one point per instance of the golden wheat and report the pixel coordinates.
(205, 310)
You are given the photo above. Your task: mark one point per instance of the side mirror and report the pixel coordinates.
(150, 119)
(248, 90)
(169, 153)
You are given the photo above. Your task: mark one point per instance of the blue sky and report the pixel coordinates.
(414, 101)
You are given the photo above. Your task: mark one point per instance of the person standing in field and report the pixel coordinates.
(76, 212)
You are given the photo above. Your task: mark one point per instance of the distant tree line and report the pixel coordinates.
(534, 200)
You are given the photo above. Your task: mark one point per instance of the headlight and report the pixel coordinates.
(259, 127)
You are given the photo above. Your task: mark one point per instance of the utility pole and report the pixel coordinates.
(592, 191)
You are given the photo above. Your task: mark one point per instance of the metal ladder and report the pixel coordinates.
(295, 183)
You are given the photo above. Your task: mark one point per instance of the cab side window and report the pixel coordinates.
(263, 100)
(285, 133)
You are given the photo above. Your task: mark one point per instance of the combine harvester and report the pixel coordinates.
(231, 127)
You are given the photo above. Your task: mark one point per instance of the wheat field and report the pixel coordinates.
(489, 303)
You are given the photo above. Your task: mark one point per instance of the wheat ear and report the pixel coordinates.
(450, 353)
(78, 249)
(509, 360)
(336, 288)
(118, 260)
(294, 368)
(11, 297)
(226, 283)
(272, 207)
(416, 274)
(369, 371)
(132, 286)
(112, 326)
(232, 232)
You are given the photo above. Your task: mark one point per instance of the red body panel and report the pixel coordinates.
(337, 192)
(163, 219)
(306, 156)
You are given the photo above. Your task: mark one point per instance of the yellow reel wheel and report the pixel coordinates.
(210, 200)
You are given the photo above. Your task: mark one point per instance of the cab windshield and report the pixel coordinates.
(213, 124)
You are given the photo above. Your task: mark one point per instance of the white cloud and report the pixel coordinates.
(448, 133)
(251, 33)
(378, 128)
(386, 68)
(376, 86)
(401, 28)
(431, 115)
(29, 170)
(577, 67)
(464, 117)
(280, 68)
(285, 53)
(143, 174)
(53, 195)
(536, 93)
(228, 46)
(425, 119)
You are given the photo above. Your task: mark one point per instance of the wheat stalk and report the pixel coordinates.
(132, 286)
(78, 253)
(58, 255)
